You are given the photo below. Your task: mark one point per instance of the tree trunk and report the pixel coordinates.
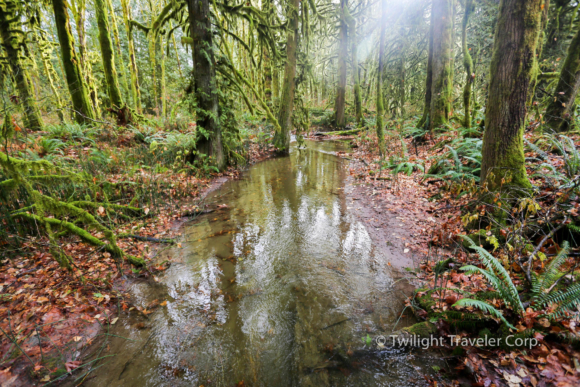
(512, 64)
(108, 55)
(78, 9)
(282, 138)
(559, 114)
(442, 82)
(12, 45)
(339, 115)
(429, 80)
(467, 64)
(380, 103)
(43, 47)
(76, 85)
(135, 91)
(355, 73)
(205, 82)
(118, 45)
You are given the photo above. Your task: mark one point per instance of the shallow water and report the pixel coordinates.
(277, 289)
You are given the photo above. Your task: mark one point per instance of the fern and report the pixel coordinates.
(484, 306)
(502, 281)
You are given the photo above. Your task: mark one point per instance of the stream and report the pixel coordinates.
(283, 287)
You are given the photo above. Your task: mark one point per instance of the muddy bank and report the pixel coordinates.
(282, 285)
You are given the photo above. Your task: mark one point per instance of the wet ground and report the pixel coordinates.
(283, 287)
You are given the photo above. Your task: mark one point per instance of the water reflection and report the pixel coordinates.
(277, 289)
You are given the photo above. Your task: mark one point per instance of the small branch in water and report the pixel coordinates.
(336, 323)
(147, 239)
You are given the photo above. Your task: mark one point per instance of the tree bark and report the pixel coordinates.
(512, 64)
(355, 73)
(428, 80)
(76, 85)
(118, 45)
(467, 64)
(442, 82)
(380, 103)
(282, 137)
(135, 91)
(108, 55)
(339, 105)
(12, 46)
(559, 112)
(205, 83)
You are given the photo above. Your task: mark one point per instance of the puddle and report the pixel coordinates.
(278, 289)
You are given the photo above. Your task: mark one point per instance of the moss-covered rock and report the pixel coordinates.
(422, 329)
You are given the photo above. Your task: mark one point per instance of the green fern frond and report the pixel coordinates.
(484, 306)
(552, 272)
(506, 288)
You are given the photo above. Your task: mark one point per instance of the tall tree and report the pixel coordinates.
(135, 91)
(511, 69)
(355, 70)
(282, 137)
(205, 82)
(108, 55)
(380, 103)
(12, 43)
(118, 44)
(559, 112)
(340, 102)
(442, 70)
(467, 64)
(76, 85)
(425, 119)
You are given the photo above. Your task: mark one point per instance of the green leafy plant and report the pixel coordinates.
(542, 294)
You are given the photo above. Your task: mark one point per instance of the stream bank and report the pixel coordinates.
(282, 285)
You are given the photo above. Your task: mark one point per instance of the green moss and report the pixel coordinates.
(422, 329)
(12, 44)
(107, 55)
(78, 89)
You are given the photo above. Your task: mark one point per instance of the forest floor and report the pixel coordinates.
(423, 215)
(48, 314)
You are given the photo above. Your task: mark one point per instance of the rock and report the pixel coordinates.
(422, 329)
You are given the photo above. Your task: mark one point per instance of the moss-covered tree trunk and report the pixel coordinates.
(108, 55)
(340, 102)
(80, 97)
(11, 43)
(559, 114)
(355, 70)
(442, 82)
(512, 64)
(116, 35)
(135, 91)
(205, 82)
(78, 9)
(467, 64)
(380, 103)
(282, 137)
(428, 80)
(51, 75)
